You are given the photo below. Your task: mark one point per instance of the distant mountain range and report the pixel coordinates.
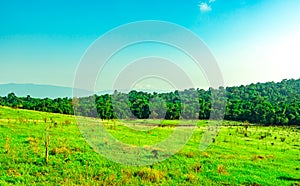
(39, 91)
(51, 91)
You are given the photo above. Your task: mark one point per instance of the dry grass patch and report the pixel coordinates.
(34, 144)
(126, 177)
(205, 154)
(32, 140)
(191, 177)
(149, 174)
(222, 169)
(60, 150)
(7, 145)
(13, 172)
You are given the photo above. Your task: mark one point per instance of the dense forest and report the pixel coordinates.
(265, 103)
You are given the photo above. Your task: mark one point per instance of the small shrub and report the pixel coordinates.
(258, 157)
(213, 140)
(155, 153)
(246, 125)
(76, 149)
(197, 168)
(262, 137)
(190, 154)
(67, 122)
(222, 169)
(106, 141)
(282, 139)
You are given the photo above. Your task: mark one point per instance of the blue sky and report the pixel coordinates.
(42, 42)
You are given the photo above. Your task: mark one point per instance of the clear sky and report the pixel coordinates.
(42, 42)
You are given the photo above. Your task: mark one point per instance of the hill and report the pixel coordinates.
(265, 156)
(39, 91)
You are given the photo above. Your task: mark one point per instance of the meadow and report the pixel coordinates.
(241, 154)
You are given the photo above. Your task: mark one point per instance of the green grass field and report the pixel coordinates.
(258, 155)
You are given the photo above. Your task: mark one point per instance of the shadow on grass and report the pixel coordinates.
(288, 178)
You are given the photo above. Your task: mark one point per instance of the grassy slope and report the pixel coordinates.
(232, 159)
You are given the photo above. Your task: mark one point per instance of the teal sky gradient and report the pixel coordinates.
(253, 41)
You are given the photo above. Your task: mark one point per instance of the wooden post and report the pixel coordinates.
(47, 140)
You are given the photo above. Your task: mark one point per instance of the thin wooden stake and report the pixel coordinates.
(47, 141)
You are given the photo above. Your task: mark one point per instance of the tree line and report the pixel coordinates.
(265, 103)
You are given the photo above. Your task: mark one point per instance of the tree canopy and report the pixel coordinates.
(265, 103)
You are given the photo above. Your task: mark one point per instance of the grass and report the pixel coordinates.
(265, 156)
